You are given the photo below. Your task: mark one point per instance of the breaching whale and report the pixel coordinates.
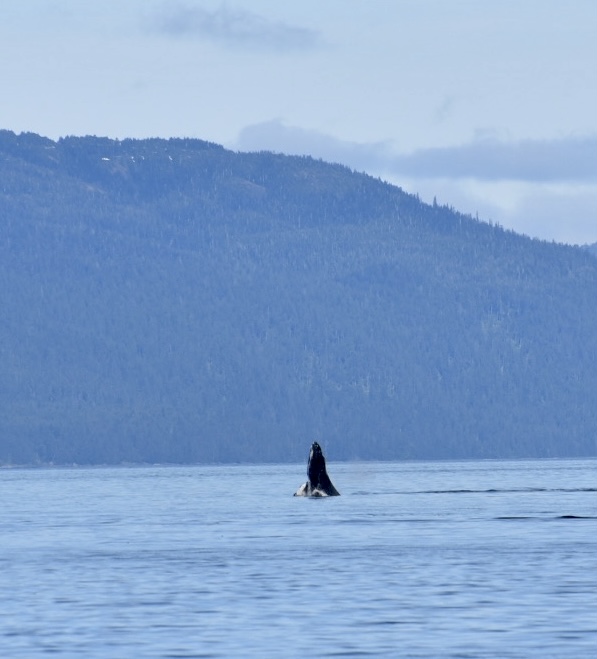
(319, 483)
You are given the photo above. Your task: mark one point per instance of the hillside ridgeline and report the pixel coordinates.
(172, 301)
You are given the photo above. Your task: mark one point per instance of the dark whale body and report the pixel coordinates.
(319, 483)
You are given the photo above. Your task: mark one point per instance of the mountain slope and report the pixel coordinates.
(168, 300)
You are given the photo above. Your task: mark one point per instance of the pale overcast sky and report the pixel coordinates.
(488, 105)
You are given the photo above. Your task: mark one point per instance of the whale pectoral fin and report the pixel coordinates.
(326, 485)
(331, 490)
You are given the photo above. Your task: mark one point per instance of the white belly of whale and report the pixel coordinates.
(306, 490)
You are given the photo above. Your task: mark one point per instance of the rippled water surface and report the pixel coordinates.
(459, 559)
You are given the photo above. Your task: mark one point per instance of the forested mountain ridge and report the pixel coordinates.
(172, 301)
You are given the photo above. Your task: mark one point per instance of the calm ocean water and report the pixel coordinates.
(459, 559)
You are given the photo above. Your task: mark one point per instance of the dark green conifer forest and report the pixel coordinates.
(172, 301)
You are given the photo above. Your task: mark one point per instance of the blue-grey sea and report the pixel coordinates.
(417, 559)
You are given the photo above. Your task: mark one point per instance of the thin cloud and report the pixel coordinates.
(234, 27)
(566, 159)
(276, 136)
(571, 159)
